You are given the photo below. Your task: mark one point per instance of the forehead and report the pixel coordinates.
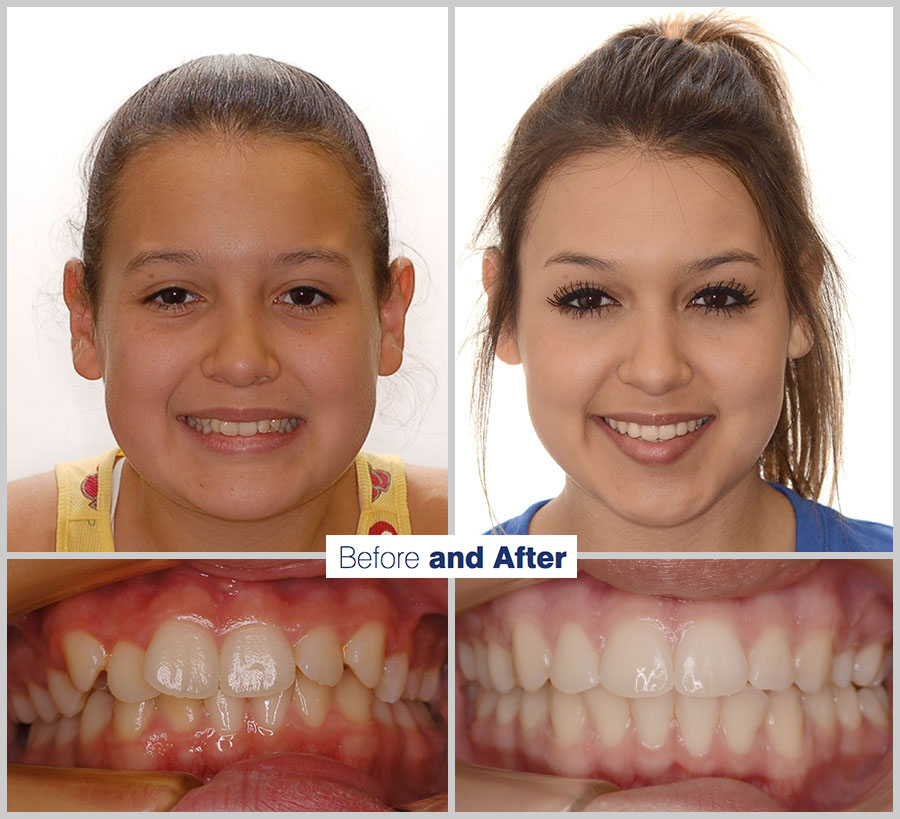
(640, 209)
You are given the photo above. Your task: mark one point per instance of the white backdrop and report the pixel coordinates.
(841, 76)
(69, 69)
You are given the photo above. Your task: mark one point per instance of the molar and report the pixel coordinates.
(354, 699)
(741, 716)
(270, 712)
(500, 668)
(130, 719)
(784, 723)
(364, 653)
(318, 655)
(769, 662)
(697, 718)
(124, 674)
(225, 713)
(575, 666)
(567, 716)
(813, 661)
(182, 660)
(256, 661)
(312, 699)
(653, 717)
(531, 655)
(69, 700)
(637, 661)
(710, 661)
(393, 678)
(534, 708)
(96, 715)
(609, 713)
(43, 702)
(181, 712)
(867, 664)
(85, 658)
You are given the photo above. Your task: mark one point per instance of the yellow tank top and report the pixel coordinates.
(85, 491)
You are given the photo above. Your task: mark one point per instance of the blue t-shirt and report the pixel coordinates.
(819, 528)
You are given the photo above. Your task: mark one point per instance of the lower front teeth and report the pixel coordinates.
(652, 432)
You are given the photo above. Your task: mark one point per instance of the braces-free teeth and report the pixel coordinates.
(207, 426)
(652, 432)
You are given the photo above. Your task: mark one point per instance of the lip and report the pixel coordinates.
(654, 453)
(238, 414)
(239, 444)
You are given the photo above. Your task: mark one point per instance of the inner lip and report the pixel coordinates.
(360, 727)
(745, 583)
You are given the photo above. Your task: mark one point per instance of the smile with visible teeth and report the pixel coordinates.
(652, 432)
(208, 426)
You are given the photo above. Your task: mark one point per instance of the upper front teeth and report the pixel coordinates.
(245, 428)
(653, 432)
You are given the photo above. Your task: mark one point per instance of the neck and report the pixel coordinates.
(751, 516)
(149, 521)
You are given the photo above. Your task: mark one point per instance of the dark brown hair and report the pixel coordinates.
(709, 87)
(232, 96)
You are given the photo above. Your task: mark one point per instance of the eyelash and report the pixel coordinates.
(319, 299)
(562, 299)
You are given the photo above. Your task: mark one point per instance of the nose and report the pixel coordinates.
(240, 352)
(654, 360)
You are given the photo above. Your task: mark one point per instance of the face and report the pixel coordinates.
(654, 330)
(238, 333)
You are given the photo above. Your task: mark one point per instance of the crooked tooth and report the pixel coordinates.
(312, 699)
(182, 713)
(508, 706)
(393, 678)
(182, 660)
(741, 715)
(66, 731)
(420, 715)
(691, 425)
(318, 655)
(813, 661)
(567, 716)
(95, 716)
(482, 672)
(697, 718)
(124, 674)
(130, 719)
(486, 703)
(867, 664)
(364, 653)
(609, 713)
(842, 668)
(465, 656)
(784, 723)
(69, 700)
(215, 424)
(414, 683)
(22, 707)
(247, 428)
(636, 661)
(225, 713)
(500, 668)
(85, 658)
(382, 712)
(769, 662)
(353, 699)
(531, 655)
(575, 666)
(43, 702)
(652, 718)
(873, 708)
(270, 712)
(818, 706)
(846, 707)
(256, 661)
(534, 708)
(886, 666)
(40, 735)
(403, 717)
(431, 680)
(710, 661)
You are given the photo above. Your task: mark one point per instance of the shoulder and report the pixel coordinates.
(426, 495)
(31, 514)
(520, 524)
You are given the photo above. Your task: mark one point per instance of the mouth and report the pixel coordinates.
(659, 443)
(236, 677)
(656, 432)
(781, 692)
(246, 429)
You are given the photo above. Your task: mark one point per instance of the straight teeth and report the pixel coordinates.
(207, 426)
(652, 432)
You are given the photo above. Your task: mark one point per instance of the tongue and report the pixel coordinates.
(282, 782)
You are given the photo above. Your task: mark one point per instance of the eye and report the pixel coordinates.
(305, 297)
(172, 298)
(581, 299)
(728, 297)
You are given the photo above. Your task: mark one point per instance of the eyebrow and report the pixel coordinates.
(187, 258)
(696, 266)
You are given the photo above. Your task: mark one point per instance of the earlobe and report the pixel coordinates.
(393, 315)
(81, 322)
(507, 348)
(800, 340)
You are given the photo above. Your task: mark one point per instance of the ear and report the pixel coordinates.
(393, 315)
(81, 322)
(507, 349)
(800, 339)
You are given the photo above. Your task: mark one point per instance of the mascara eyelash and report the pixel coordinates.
(743, 295)
(563, 296)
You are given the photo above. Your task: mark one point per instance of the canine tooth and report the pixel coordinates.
(313, 700)
(842, 668)
(95, 716)
(637, 661)
(66, 732)
(482, 672)
(181, 712)
(182, 660)
(225, 713)
(403, 717)
(124, 676)
(741, 716)
(575, 666)
(872, 708)
(85, 658)
(813, 661)
(882, 696)
(653, 717)
(531, 655)
(697, 718)
(393, 678)
(354, 699)
(270, 712)
(609, 713)
(256, 661)
(534, 708)
(846, 707)
(867, 664)
(130, 719)
(431, 679)
(414, 683)
(508, 706)
(567, 716)
(420, 715)
(318, 655)
(710, 661)
(500, 668)
(649, 432)
(43, 702)
(769, 662)
(67, 698)
(818, 706)
(692, 425)
(22, 708)
(886, 666)
(667, 432)
(382, 712)
(486, 703)
(465, 656)
(681, 428)
(364, 653)
(40, 735)
(784, 723)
